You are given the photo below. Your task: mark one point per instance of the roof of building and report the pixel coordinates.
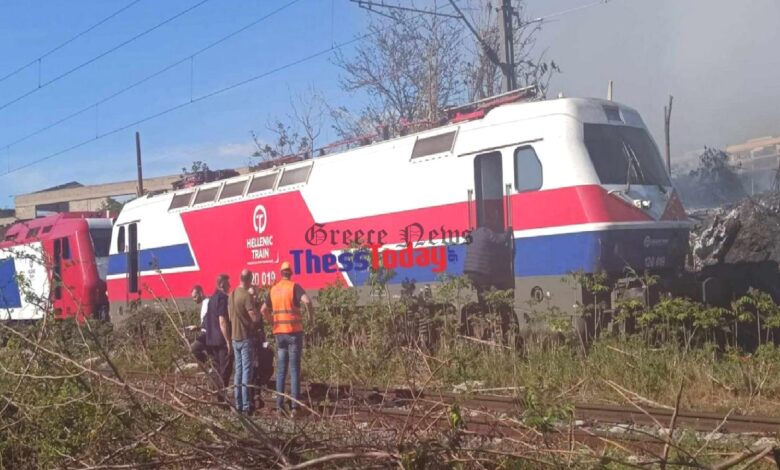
(72, 184)
(753, 143)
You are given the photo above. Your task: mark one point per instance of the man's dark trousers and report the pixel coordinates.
(221, 360)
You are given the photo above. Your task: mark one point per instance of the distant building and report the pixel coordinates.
(762, 153)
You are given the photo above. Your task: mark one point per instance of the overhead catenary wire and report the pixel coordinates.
(569, 10)
(190, 58)
(187, 103)
(51, 51)
(198, 99)
(103, 54)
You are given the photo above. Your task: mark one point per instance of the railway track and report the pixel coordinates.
(476, 407)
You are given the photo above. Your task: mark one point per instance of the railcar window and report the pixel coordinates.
(528, 170)
(180, 200)
(612, 113)
(233, 189)
(57, 269)
(66, 248)
(32, 232)
(120, 240)
(46, 229)
(262, 183)
(489, 191)
(206, 195)
(295, 176)
(101, 240)
(132, 258)
(623, 154)
(433, 145)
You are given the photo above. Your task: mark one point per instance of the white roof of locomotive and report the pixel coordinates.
(367, 158)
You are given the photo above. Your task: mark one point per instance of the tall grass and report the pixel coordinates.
(398, 342)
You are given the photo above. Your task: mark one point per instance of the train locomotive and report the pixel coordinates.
(55, 264)
(573, 185)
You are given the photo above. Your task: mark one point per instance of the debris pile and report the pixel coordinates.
(743, 232)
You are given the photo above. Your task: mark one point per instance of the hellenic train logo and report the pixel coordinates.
(259, 219)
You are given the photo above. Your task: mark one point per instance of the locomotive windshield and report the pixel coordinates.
(101, 242)
(623, 155)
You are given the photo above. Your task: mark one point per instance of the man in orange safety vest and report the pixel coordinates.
(282, 308)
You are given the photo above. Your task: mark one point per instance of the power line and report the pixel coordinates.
(102, 54)
(570, 10)
(212, 94)
(159, 72)
(70, 40)
(187, 103)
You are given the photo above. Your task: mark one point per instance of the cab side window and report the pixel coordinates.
(120, 240)
(528, 170)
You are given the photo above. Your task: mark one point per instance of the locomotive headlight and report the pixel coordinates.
(643, 203)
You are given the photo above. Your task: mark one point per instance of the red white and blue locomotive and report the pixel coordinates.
(578, 183)
(55, 264)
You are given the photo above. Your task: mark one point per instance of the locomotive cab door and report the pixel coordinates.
(489, 257)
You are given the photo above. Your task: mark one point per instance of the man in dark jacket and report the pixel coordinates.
(217, 325)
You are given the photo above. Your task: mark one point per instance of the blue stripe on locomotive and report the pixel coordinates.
(558, 255)
(10, 297)
(164, 257)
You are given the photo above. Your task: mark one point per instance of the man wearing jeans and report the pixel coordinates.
(283, 306)
(246, 324)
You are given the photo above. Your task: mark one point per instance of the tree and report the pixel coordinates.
(111, 205)
(297, 133)
(196, 167)
(407, 67)
(412, 65)
(483, 76)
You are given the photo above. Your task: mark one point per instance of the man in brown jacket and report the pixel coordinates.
(245, 322)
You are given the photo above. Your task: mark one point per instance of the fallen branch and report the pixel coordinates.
(344, 456)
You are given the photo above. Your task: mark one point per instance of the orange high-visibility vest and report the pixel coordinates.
(286, 316)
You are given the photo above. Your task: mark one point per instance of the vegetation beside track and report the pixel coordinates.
(65, 402)
(725, 359)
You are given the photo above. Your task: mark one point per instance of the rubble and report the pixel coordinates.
(743, 232)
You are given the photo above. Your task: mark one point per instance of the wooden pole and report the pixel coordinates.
(667, 121)
(140, 188)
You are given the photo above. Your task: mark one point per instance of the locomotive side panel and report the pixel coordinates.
(24, 283)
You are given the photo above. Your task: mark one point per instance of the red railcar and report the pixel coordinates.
(55, 263)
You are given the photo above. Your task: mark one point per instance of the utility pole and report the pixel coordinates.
(667, 138)
(507, 46)
(140, 187)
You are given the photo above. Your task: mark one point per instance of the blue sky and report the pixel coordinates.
(719, 63)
